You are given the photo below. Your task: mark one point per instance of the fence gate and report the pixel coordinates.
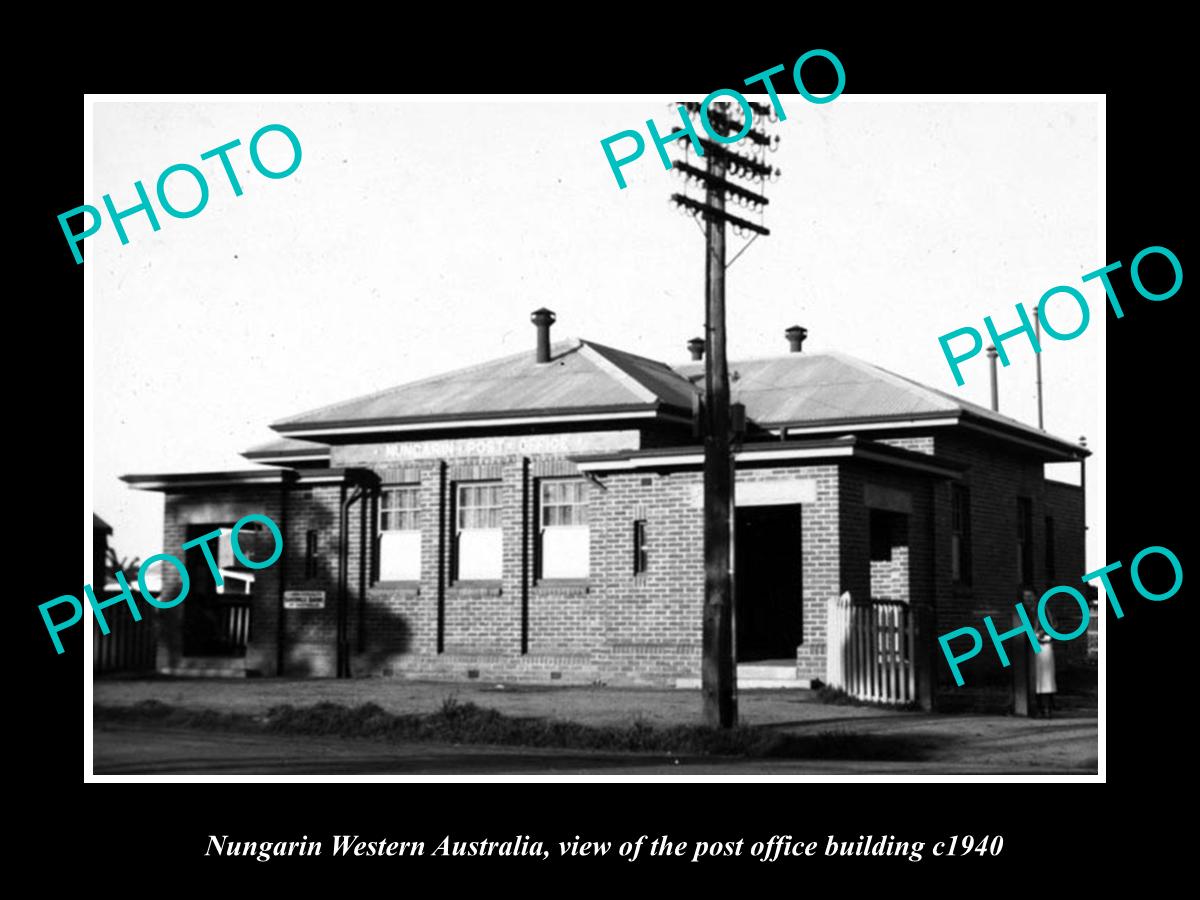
(871, 651)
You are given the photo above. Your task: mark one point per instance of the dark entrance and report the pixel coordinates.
(768, 592)
(216, 623)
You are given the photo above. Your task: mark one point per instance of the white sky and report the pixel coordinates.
(417, 237)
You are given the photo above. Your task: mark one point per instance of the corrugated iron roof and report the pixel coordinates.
(583, 377)
(799, 389)
(805, 388)
(580, 376)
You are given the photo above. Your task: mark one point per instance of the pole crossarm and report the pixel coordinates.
(739, 163)
(727, 186)
(730, 125)
(711, 213)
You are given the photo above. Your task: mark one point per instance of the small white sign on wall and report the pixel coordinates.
(303, 599)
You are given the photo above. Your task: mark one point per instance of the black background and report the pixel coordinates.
(1056, 834)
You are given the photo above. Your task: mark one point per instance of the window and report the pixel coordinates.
(400, 533)
(1025, 541)
(565, 549)
(1050, 561)
(960, 534)
(255, 542)
(641, 556)
(311, 563)
(478, 544)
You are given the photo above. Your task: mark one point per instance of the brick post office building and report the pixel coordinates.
(539, 518)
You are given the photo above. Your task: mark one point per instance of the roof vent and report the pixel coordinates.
(696, 348)
(795, 336)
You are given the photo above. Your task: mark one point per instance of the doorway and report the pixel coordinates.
(768, 583)
(216, 620)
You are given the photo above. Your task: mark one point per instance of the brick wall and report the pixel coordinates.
(1064, 503)
(889, 578)
(649, 624)
(614, 626)
(214, 508)
(996, 476)
(310, 635)
(910, 576)
(917, 444)
(617, 626)
(513, 628)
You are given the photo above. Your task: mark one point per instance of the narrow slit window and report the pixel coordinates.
(311, 559)
(960, 534)
(641, 553)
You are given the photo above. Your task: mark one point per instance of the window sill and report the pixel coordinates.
(476, 588)
(563, 585)
(411, 587)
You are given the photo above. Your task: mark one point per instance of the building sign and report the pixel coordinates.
(303, 599)
(515, 445)
(763, 493)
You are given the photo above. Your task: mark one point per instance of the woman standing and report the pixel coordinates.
(1047, 686)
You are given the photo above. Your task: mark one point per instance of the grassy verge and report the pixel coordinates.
(838, 697)
(466, 723)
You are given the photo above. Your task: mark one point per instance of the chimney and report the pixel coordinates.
(696, 348)
(991, 352)
(795, 336)
(543, 319)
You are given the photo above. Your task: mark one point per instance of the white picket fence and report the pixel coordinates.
(871, 649)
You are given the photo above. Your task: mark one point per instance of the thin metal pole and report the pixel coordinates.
(991, 352)
(1037, 327)
(343, 554)
(281, 614)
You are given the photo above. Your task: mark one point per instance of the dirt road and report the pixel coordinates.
(954, 743)
(148, 751)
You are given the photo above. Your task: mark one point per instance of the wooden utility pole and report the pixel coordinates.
(718, 676)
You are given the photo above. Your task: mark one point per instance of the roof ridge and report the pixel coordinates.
(603, 351)
(615, 371)
(636, 356)
(764, 358)
(407, 384)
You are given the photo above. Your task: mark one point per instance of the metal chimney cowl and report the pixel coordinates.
(543, 318)
(795, 337)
